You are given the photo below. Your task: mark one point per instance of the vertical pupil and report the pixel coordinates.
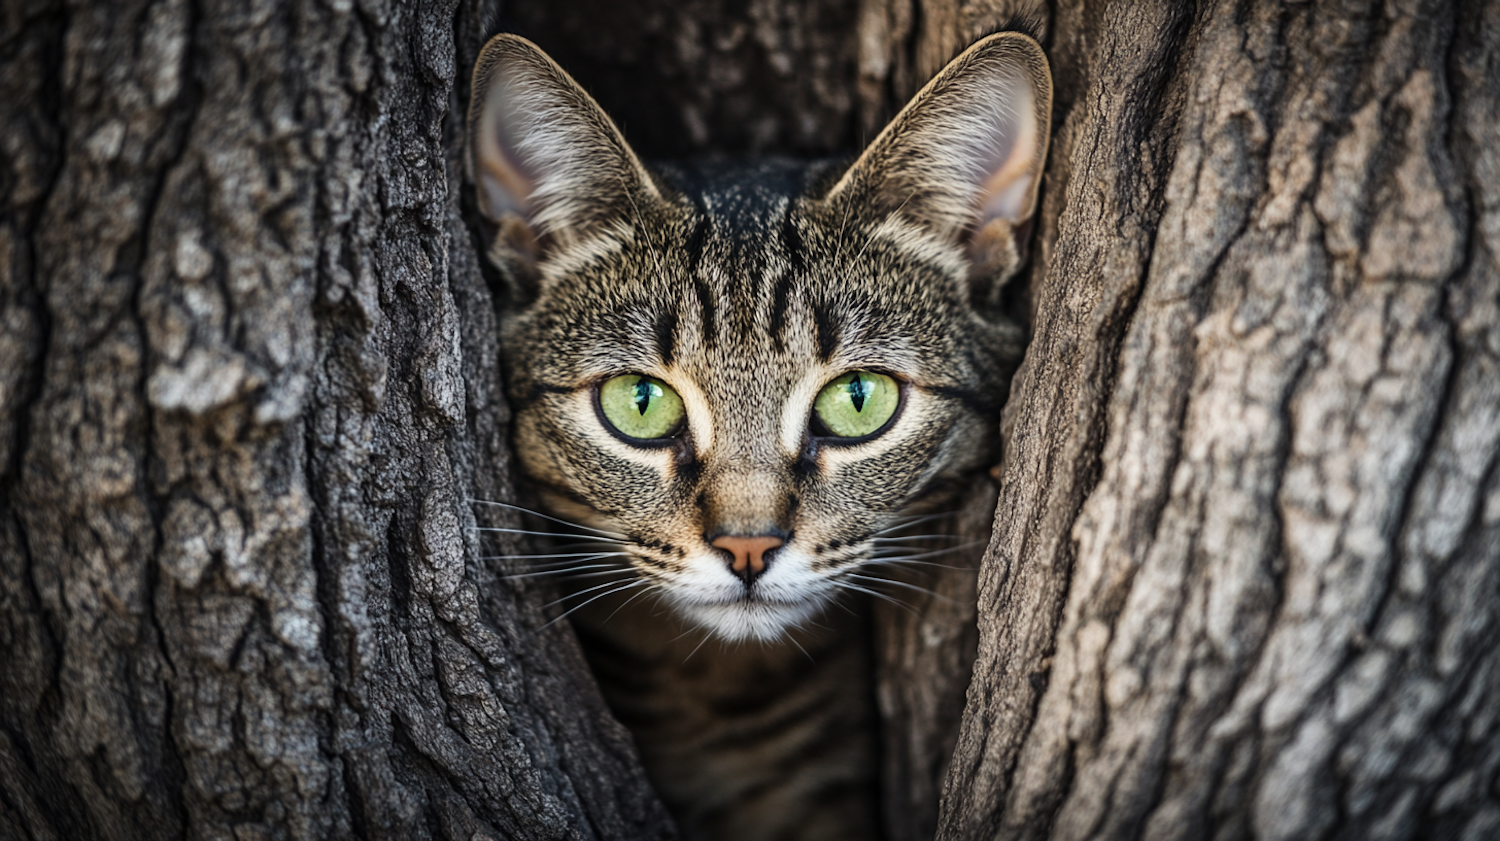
(858, 391)
(642, 395)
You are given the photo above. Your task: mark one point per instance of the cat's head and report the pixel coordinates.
(747, 374)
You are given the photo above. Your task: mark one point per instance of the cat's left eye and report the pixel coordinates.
(641, 407)
(857, 404)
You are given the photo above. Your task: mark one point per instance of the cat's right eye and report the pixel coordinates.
(857, 405)
(641, 407)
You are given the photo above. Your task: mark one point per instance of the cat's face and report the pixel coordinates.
(743, 375)
(743, 320)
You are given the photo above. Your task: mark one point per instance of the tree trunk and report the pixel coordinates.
(1246, 561)
(1243, 574)
(248, 382)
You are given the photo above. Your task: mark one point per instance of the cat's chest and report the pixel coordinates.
(740, 737)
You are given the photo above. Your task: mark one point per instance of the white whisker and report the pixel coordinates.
(581, 592)
(867, 591)
(644, 230)
(914, 518)
(903, 585)
(622, 605)
(593, 544)
(908, 522)
(839, 254)
(546, 534)
(930, 553)
(535, 513)
(910, 562)
(578, 571)
(888, 218)
(574, 561)
(696, 647)
(793, 640)
(638, 582)
(841, 606)
(555, 555)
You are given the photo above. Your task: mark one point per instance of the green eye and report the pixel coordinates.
(640, 406)
(857, 404)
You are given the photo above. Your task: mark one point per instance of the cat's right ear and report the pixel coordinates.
(549, 166)
(963, 160)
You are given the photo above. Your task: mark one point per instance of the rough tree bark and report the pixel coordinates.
(1243, 575)
(248, 387)
(1246, 562)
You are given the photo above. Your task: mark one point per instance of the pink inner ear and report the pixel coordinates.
(501, 187)
(1006, 200)
(1006, 192)
(505, 183)
(968, 149)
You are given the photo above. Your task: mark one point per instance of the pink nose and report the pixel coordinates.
(749, 553)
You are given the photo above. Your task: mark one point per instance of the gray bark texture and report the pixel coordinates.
(1245, 569)
(1242, 580)
(248, 387)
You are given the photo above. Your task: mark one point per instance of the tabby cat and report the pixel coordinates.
(736, 379)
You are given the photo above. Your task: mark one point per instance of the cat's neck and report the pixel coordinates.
(726, 727)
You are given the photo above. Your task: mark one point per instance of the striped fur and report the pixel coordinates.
(747, 288)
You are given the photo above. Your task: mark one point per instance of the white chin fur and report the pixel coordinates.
(744, 620)
(707, 594)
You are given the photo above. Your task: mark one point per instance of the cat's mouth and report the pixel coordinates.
(752, 597)
(707, 593)
(752, 616)
(763, 610)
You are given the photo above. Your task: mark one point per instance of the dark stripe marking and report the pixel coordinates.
(791, 241)
(537, 389)
(655, 563)
(688, 468)
(806, 465)
(694, 247)
(666, 335)
(985, 404)
(706, 303)
(791, 238)
(780, 296)
(780, 698)
(828, 334)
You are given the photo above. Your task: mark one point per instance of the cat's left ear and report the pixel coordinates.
(548, 164)
(964, 158)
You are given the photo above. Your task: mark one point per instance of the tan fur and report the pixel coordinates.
(748, 288)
